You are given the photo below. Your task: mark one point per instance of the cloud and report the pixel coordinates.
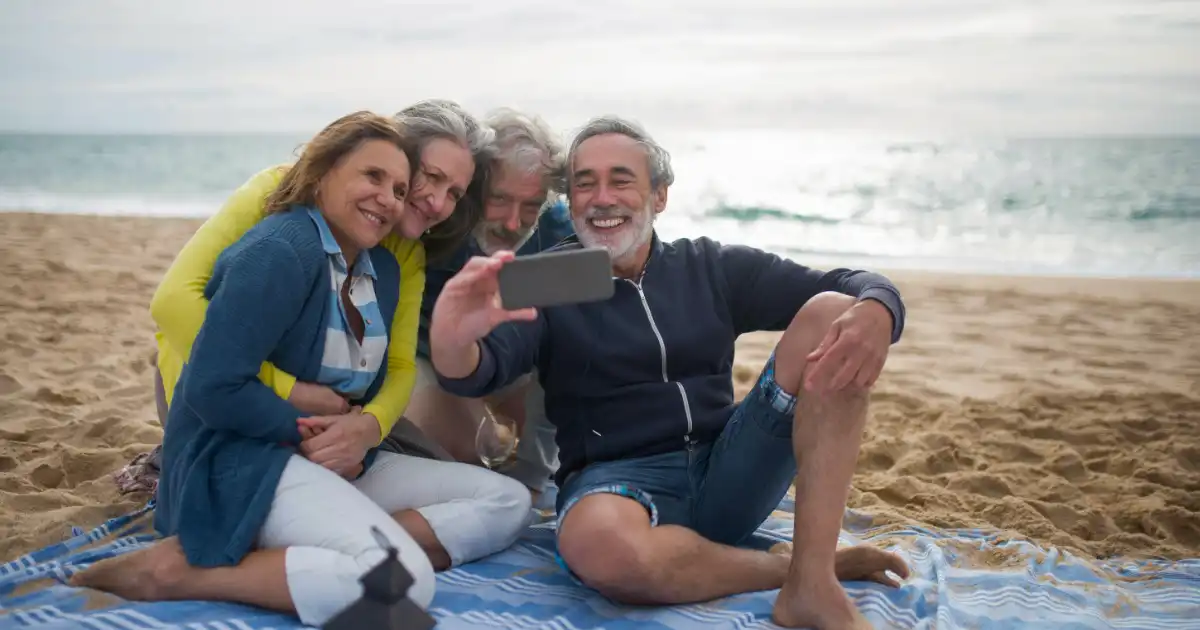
(921, 66)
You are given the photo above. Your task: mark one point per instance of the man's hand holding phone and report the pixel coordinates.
(489, 291)
(467, 309)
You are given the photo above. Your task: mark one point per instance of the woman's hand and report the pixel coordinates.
(317, 400)
(339, 442)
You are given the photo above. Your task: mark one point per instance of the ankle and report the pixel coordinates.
(810, 571)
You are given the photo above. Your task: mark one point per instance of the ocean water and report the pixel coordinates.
(1125, 207)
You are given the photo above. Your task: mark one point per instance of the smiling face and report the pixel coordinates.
(441, 181)
(362, 197)
(511, 209)
(612, 203)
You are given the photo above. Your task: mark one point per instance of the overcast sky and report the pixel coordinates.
(1045, 67)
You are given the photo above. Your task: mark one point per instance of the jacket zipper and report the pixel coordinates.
(662, 348)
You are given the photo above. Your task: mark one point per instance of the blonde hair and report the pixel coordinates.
(326, 149)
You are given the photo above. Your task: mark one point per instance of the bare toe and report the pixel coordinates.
(149, 574)
(864, 562)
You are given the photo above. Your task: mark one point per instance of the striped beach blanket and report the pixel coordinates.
(961, 579)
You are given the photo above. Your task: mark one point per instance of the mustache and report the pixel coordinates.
(608, 212)
(503, 234)
(500, 230)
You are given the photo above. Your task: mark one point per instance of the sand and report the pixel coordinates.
(1064, 411)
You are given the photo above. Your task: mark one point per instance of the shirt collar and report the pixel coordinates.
(362, 266)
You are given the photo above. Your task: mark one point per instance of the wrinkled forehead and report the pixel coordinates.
(514, 183)
(610, 153)
(445, 159)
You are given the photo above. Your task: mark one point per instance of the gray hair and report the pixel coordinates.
(431, 119)
(658, 160)
(526, 144)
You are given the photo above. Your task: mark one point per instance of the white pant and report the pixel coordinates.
(325, 523)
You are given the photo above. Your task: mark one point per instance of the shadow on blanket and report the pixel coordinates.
(961, 579)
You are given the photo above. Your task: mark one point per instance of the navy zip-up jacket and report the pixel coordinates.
(650, 369)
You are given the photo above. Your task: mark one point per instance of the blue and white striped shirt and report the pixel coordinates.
(347, 366)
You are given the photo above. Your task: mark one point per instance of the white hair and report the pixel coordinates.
(658, 160)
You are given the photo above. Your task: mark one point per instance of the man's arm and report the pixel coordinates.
(493, 362)
(765, 291)
(258, 298)
(178, 306)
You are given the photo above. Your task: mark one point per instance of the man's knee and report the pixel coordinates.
(819, 312)
(804, 334)
(601, 539)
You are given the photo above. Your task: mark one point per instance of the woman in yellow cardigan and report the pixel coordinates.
(451, 144)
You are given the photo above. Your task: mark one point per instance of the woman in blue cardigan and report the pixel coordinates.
(247, 517)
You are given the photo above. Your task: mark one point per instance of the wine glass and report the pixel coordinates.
(495, 439)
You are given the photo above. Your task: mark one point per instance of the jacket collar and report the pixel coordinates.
(656, 247)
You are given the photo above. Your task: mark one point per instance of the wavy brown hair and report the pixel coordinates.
(333, 143)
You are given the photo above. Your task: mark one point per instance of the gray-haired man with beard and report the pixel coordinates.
(522, 212)
(662, 474)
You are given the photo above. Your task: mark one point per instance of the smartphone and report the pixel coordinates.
(573, 276)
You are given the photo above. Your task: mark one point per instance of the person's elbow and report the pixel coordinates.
(206, 396)
(160, 305)
(166, 302)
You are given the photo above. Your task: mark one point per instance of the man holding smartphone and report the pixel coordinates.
(662, 474)
(523, 213)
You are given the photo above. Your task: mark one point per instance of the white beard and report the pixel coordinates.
(481, 239)
(629, 238)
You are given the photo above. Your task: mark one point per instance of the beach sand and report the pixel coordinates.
(1066, 411)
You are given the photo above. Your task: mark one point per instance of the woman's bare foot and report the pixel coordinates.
(151, 574)
(821, 605)
(860, 563)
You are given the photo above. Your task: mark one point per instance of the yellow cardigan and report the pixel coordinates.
(179, 305)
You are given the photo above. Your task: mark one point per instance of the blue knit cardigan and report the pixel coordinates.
(228, 436)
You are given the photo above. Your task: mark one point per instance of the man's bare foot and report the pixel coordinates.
(860, 563)
(867, 563)
(151, 574)
(821, 605)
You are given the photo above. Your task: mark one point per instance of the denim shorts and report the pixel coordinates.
(722, 489)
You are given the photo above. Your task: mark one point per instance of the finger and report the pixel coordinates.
(868, 372)
(328, 439)
(820, 373)
(830, 337)
(319, 423)
(306, 433)
(850, 368)
(520, 315)
(333, 459)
